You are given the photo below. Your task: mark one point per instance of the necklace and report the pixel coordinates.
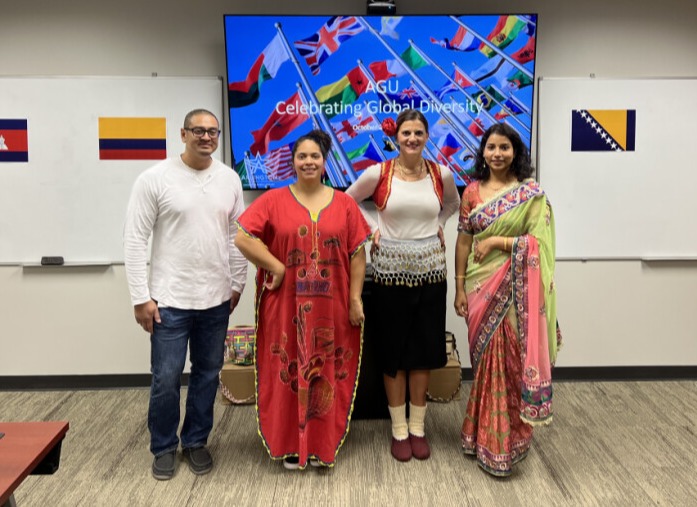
(416, 175)
(496, 189)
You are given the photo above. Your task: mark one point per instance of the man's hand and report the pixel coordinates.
(146, 314)
(234, 300)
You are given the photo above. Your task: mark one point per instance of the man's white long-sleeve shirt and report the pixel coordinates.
(190, 214)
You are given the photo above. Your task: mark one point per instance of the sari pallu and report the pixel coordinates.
(511, 325)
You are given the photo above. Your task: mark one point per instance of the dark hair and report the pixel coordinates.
(196, 112)
(319, 137)
(409, 115)
(521, 166)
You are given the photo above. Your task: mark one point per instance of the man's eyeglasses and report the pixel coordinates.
(200, 131)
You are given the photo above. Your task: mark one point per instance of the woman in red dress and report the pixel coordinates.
(307, 241)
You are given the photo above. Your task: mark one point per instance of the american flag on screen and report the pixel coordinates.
(279, 163)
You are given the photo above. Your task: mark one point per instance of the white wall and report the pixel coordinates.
(79, 320)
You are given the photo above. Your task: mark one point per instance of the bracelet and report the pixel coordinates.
(459, 277)
(505, 243)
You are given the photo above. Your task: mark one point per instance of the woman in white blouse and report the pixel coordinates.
(414, 198)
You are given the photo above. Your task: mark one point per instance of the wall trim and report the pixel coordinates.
(613, 373)
(563, 374)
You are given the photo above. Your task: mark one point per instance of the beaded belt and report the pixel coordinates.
(409, 262)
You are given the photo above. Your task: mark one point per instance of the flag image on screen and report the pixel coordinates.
(364, 156)
(132, 138)
(13, 141)
(280, 162)
(284, 118)
(603, 129)
(335, 96)
(345, 75)
(351, 127)
(506, 31)
(320, 46)
(461, 41)
(243, 93)
(447, 147)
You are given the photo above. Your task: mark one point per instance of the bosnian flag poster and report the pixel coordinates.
(603, 129)
(13, 141)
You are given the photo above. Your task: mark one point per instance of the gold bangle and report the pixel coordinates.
(459, 277)
(505, 243)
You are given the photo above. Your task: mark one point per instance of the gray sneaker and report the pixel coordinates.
(163, 466)
(200, 460)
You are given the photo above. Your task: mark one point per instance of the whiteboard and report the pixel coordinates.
(65, 201)
(622, 205)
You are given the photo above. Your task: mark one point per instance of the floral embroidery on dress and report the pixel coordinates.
(289, 370)
(531, 374)
(481, 218)
(534, 262)
(341, 356)
(316, 393)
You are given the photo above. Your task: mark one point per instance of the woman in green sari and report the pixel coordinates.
(504, 265)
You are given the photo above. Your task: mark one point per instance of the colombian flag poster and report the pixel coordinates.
(132, 138)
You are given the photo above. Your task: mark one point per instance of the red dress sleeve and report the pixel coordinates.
(256, 219)
(358, 228)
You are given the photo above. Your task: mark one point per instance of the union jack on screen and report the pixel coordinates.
(320, 45)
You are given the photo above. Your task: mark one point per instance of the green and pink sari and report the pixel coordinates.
(512, 325)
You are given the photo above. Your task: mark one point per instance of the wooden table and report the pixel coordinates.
(28, 448)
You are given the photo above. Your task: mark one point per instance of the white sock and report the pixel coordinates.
(416, 420)
(398, 415)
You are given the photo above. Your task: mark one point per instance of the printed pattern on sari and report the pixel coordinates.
(484, 215)
(537, 380)
(498, 304)
(507, 325)
(492, 429)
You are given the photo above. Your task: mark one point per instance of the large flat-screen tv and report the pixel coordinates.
(346, 74)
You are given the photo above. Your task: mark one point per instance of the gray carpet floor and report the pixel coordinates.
(611, 443)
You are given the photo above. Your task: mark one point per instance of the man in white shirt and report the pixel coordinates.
(188, 205)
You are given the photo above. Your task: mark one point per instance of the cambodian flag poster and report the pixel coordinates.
(13, 141)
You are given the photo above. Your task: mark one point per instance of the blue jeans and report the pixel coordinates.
(204, 331)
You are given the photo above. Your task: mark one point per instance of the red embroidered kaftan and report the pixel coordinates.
(307, 352)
